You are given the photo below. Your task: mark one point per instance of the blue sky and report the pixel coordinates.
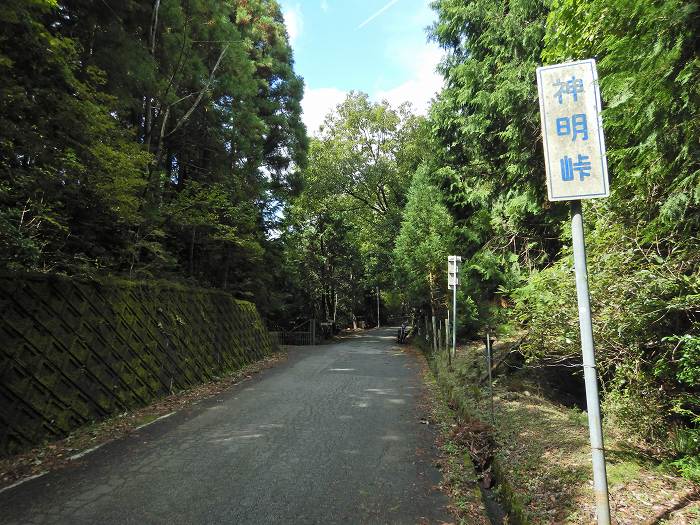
(376, 46)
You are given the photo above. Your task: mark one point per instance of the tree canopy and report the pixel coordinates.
(643, 247)
(163, 139)
(150, 138)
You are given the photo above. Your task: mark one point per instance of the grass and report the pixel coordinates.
(459, 479)
(623, 472)
(542, 457)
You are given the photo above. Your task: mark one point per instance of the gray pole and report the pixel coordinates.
(435, 336)
(454, 320)
(377, 306)
(489, 365)
(600, 482)
(448, 346)
(447, 332)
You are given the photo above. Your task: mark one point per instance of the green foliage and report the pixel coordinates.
(424, 242)
(689, 467)
(637, 297)
(342, 228)
(687, 369)
(164, 139)
(650, 82)
(643, 247)
(146, 138)
(487, 122)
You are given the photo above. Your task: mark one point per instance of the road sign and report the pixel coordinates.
(453, 262)
(574, 152)
(453, 271)
(572, 131)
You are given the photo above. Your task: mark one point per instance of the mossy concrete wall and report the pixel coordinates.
(75, 351)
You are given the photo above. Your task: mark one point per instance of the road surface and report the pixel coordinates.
(333, 435)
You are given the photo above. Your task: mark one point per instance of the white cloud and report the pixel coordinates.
(294, 22)
(324, 6)
(419, 89)
(424, 83)
(317, 104)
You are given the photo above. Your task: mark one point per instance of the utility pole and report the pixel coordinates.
(377, 306)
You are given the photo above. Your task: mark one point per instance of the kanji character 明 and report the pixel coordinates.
(578, 123)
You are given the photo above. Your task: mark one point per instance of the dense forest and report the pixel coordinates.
(163, 140)
(388, 195)
(147, 139)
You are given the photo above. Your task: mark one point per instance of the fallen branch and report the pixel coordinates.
(691, 496)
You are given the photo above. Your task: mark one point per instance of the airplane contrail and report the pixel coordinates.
(375, 15)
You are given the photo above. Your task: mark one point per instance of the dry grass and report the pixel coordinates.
(542, 458)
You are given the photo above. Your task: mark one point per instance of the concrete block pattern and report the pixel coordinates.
(73, 351)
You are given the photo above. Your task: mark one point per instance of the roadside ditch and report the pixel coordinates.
(531, 455)
(473, 439)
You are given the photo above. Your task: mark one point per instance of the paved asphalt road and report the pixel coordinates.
(333, 435)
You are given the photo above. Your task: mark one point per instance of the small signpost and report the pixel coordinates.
(453, 262)
(574, 151)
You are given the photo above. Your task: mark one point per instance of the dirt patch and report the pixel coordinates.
(57, 454)
(476, 438)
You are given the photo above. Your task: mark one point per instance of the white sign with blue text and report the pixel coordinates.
(572, 131)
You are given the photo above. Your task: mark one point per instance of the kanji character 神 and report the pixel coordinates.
(569, 87)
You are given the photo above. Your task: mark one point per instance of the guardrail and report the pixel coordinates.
(292, 338)
(295, 336)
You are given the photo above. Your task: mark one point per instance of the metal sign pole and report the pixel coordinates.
(576, 166)
(489, 366)
(377, 306)
(447, 333)
(454, 321)
(452, 283)
(600, 481)
(435, 336)
(448, 346)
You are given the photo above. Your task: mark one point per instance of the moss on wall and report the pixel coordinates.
(74, 351)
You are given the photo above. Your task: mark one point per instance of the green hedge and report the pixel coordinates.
(74, 351)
